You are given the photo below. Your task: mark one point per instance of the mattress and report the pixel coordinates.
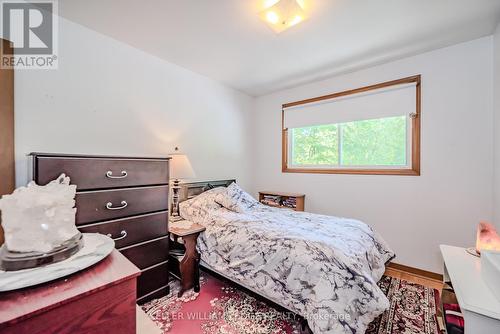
(323, 268)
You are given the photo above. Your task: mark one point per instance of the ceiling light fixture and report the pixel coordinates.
(283, 14)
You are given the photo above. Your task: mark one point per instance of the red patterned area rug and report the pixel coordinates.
(221, 308)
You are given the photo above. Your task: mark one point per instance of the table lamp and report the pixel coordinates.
(180, 169)
(487, 238)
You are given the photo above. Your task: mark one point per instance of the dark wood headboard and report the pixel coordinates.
(190, 190)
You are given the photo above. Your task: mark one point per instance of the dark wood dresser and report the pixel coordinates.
(125, 198)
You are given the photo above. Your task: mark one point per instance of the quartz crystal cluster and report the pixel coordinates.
(39, 218)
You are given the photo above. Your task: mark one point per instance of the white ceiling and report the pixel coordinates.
(226, 41)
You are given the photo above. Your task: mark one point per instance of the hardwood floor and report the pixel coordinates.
(415, 278)
(144, 325)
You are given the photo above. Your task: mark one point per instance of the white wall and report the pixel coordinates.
(414, 214)
(109, 98)
(496, 115)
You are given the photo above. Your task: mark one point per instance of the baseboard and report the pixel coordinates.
(416, 271)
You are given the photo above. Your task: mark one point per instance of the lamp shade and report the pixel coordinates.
(180, 167)
(283, 14)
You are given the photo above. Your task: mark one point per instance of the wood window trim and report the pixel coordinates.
(414, 170)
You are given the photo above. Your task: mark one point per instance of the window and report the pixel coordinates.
(370, 130)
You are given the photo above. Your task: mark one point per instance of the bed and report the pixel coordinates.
(323, 268)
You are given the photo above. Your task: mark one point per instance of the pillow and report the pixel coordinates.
(236, 199)
(197, 209)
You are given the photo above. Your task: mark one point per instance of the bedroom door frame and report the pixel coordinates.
(7, 164)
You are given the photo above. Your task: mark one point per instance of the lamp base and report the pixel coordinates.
(175, 218)
(175, 198)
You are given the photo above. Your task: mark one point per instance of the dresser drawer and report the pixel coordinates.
(129, 231)
(148, 253)
(102, 173)
(152, 279)
(94, 206)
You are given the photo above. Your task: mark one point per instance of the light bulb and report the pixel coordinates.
(272, 17)
(295, 20)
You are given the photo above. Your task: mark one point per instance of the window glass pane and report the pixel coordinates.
(315, 145)
(374, 142)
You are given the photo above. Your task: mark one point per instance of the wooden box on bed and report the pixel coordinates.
(125, 198)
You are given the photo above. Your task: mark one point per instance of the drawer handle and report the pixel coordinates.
(110, 175)
(110, 206)
(123, 235)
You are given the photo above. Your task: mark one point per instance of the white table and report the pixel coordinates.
(479, 306)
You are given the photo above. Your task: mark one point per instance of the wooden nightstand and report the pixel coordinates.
(284, 200)
(184, 259)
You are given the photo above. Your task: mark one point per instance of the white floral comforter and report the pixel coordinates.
(323, 268)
